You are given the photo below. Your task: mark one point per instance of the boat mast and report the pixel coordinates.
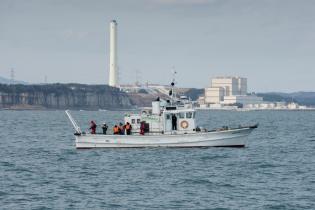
(173, 87)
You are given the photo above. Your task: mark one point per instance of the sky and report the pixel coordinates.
(270, 42)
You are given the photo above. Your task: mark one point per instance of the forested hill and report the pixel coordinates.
(62, 96)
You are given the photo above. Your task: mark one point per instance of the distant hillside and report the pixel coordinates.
(62, 96)
(8, 81)
(93, 97)
(194, 93)
(303, 98)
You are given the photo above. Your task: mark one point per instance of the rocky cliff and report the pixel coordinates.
(62, 96)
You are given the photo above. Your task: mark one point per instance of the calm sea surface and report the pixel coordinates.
(41, 169)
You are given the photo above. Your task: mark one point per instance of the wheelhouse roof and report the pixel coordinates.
(177, 111)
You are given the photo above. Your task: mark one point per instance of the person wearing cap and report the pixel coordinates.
(104, 127)
(93, 127)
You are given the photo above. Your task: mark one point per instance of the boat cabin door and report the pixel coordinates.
(167, 122)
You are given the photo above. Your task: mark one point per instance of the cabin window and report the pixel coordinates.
(133, 121)
(182, 115)
(189, 115)
(168, 117)
(138, 121)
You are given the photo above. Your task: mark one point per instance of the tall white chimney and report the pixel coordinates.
(113, 70)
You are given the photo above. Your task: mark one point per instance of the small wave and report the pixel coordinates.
(3, 193)
(214, 157)
(278, 206)
(6, 164)
(196, 182)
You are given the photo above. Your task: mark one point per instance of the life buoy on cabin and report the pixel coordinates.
(184, 124)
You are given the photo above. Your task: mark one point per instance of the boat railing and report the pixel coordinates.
(73, 122)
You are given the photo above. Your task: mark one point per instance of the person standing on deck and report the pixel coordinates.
(128, 128)
(93, 127)
(142, 127)
(174, 122)
(122, 129)
(104, 127)
(116, 130)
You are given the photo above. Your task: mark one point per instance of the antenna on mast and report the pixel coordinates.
(172, 92)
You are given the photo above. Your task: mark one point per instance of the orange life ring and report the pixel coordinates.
(184, 124)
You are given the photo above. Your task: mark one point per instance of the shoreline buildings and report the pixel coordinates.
(228, 91)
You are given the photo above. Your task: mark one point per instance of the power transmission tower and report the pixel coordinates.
(138, 77)
(12, 75)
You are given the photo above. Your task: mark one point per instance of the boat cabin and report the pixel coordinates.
(164, 118)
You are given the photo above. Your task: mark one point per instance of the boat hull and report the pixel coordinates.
(226, 138)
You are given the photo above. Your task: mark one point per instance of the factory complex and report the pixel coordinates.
(228, 92)
(224, 92)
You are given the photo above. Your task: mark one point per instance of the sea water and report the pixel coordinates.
(41, 169)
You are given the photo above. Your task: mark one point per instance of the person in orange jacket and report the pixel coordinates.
(128, 128)
(116, 130)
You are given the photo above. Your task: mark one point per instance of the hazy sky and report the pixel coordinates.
(271, 42)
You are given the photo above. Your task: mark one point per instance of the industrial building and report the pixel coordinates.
(242, 99)
(214, 95)
(231, 85)
(229, 91)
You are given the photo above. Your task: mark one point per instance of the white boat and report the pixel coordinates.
(168, 124)
(160, 133)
